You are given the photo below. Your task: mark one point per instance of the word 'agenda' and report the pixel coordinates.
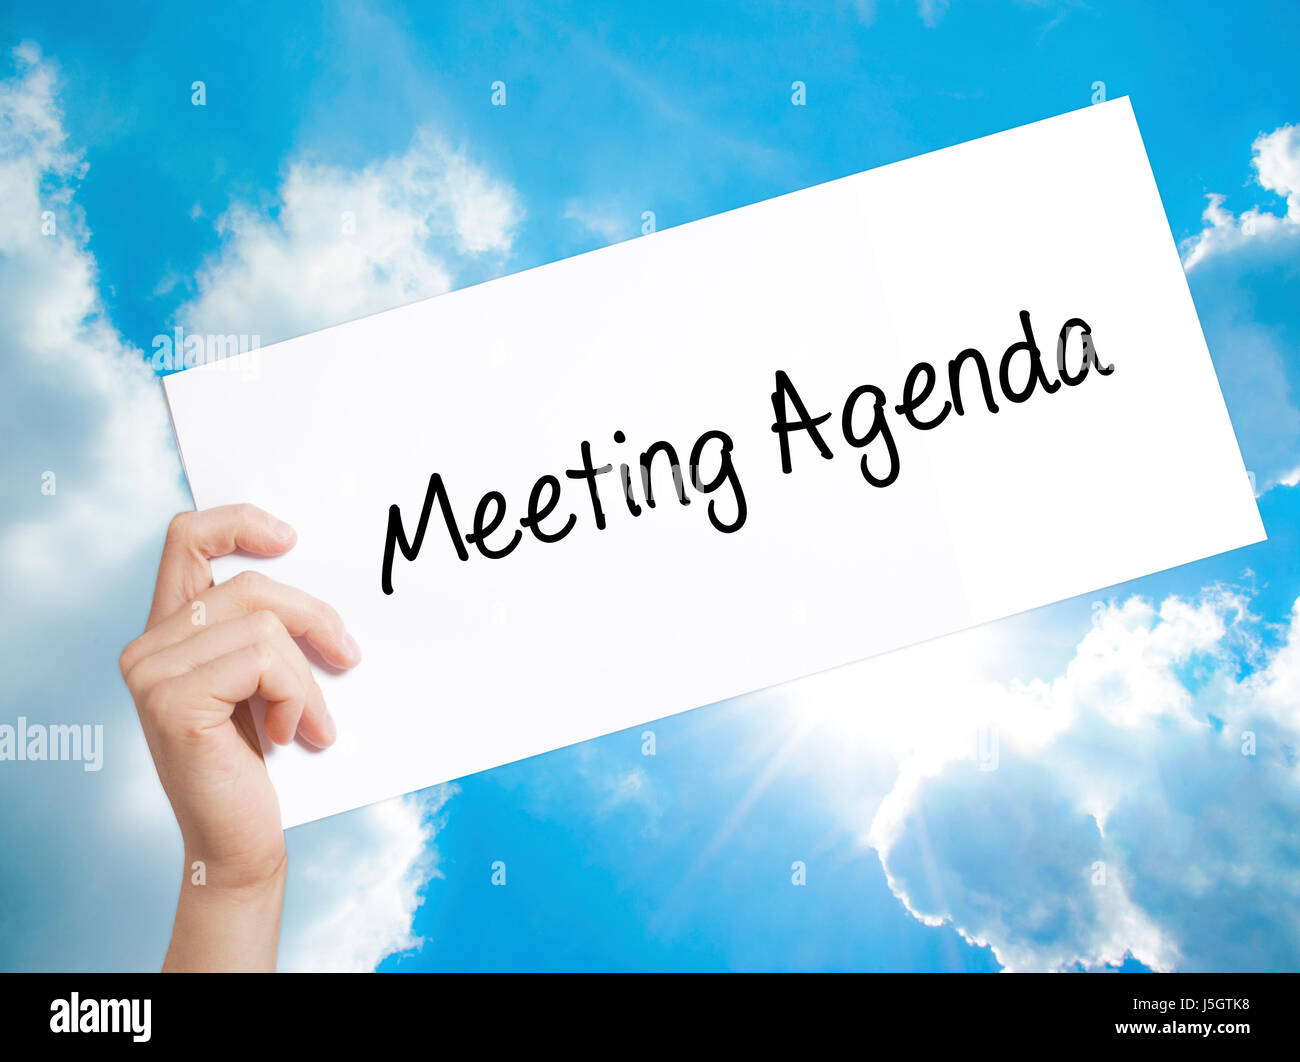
(716, 448)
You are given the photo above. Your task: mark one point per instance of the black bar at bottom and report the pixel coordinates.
(610, 1013)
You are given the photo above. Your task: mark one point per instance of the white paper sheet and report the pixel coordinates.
(471, 664)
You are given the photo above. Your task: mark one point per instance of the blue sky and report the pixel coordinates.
(1120, 716)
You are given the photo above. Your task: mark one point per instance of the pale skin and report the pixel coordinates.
(191, 674)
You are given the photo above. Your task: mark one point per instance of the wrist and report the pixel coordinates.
(228, 915)
(265, 872)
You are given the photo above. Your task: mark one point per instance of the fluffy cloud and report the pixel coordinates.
(352, 875)
(338, 245)
(1240, 268)
(341, 243)
(1275, 159)
(80, 403)
(82, 407)
(1141, 803)
(102, 857)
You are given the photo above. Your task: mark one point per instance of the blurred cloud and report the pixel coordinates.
(79, 403)
(1240, 268)
(606, 220)
(101, 857)
(357, 882)
(931, 12)
(1129, 753)
(1255, 369)
(341, 244)
(1141, 803)
(1275, 158)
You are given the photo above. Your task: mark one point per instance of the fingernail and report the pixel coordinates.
(350, 645)
(281, 530)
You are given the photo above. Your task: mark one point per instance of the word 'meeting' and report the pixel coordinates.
(1019, 373)
(545, 496)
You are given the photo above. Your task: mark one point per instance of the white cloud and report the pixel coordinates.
(1236, 267)
(356, 881)
(1129, 764)
(343, 243)
(102, 854)
(1276, 161)
(80, 402)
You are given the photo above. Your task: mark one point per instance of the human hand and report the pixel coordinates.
(205, 650)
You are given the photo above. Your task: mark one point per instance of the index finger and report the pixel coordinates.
(193, 539)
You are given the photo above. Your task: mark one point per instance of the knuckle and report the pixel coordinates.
(266, 624)
(178, 529)
(141, 679)
(262, 656)
(248, 584)
(131, 656)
